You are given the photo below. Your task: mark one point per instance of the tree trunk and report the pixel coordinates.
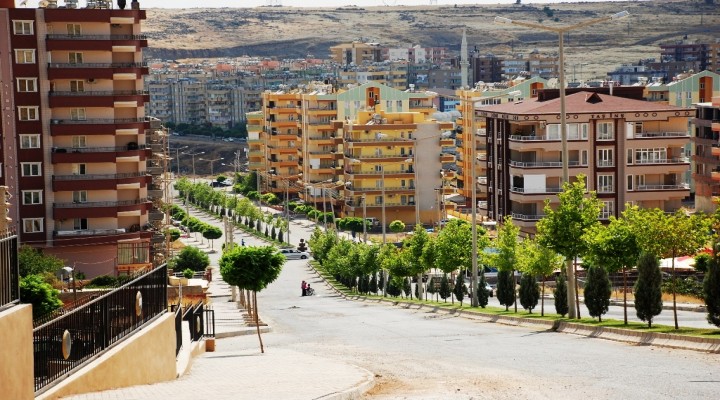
(624, 294)
(572, 309)
(512, 274)
(542, 299)
(257, 324)
(577, 290)
(419, 287)
(674, 282)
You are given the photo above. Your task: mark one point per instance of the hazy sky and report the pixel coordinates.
(319, 3)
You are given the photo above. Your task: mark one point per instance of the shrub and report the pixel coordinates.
(34, 290)
(529, 292)
(188, 273)
(597, 291)
(103, 281)
(560, 294)
(648, 294)
(192, 258)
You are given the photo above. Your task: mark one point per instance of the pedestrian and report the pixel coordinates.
(303, 285)
(242, 242)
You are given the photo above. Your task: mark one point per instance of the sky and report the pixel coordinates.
(322, 3)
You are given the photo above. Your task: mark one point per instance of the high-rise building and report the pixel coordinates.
(77, 152)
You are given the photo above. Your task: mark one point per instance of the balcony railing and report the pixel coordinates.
(97, 37)
(675, 160)
(544, 164)
(90, 177)
(373, 172)
(95, 204)
(682, 186)
(376, 139)
(91, 232)
(376, 156)
(114, 149)
(9, 273)
(97, 121)
(102, 93)
(645, 135)
(373, 188)
(527, 217)
(537, 191)
(97, 65)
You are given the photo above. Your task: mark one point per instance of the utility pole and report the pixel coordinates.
(364, 200)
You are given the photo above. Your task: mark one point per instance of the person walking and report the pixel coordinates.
(303, 285)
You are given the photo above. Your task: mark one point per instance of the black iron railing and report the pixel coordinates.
(65, 343)
(9, 274)
(178, 327)
(194, 316)
(209, 323)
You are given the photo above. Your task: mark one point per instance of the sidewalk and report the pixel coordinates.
(237, 369)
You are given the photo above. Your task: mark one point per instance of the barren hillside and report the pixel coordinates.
(296, 32)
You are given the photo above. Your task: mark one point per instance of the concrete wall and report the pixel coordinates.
(16, 362)
(147, 357)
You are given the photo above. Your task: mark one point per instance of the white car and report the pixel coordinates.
(292, 254)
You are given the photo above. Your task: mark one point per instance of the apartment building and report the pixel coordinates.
(388, 73)
(543, 65)
(487, 68)
(356, 53)
(706, 158)
(77, 149)
(631, 151)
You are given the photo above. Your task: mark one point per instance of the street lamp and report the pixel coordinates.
(211, 164)
(193, 161)
(572, 306)
(177, 156)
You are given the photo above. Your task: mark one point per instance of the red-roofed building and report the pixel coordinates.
(631, 151)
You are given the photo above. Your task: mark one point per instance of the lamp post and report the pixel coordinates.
(193, 161)
(212, 173)
(561, 31)
(364, 200)
(177, 157)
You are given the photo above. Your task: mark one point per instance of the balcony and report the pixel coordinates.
(376, 174)
(527, 217)
(97, 98)
(547, 190)
(654, 188)
(99, 209)
(97, 126)
(154, 192)
(389, 157)
(664, 135)
(674, 160)
(94, 15)
(96, 42)
(99, 181)
(156, 216)
(98, 154)
(97, 236)
(95, 70)
(546, 164)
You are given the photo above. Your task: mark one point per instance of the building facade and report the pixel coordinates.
(77, 149)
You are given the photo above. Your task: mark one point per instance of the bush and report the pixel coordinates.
(648, 294)
(689, 286)
(701, 262)
(597, 291)
(44, 299)
(506, 288)
(529, 292)
(192, 258)
(560, 294)
(711, 290)
(103, 281)
(188, 273)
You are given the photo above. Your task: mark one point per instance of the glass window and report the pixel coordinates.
(25, 56)
(80, 224)
(77, 86)
(30, 141)
(31, 169)
(32, 196)
(605, 131)
(73, 29)
(75, 58)
(79, 142)
(28, 113)
(605, 158)
(27, 85)
(32, 225)
(80, 196)
(605, 184)
(23, 27)
(77, 114)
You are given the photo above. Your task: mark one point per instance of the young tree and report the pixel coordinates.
(506, 259)
(397, 226)
(529, 291)
(506, 288)
(614, 247)
(482, 292)
(415, 247)
(560, 294)
(192, 258)
(407, 287)
(34, 290)
(33, 262)
(539, 261)
(251, 268)
(444, 288)
(648, 294)
(711, 289)
(452, 246)
(561, 229)
(460, 288)
(597, 291)
(211, 232)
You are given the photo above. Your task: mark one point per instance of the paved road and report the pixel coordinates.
(424, 355)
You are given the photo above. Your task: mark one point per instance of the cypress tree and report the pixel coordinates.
(381, 280)
(280, 236)
(506, 288)
(597, 291)
(393, 288)
(482, 292)
(431, 287)
(648, 292)
(711, 291)
(529, 292)
(444, 288)
(364, 284)
(407, 287)
(560, 294)
(460, 288)
(373, 284)
(258, 227)
(266, 231)
(273, 233)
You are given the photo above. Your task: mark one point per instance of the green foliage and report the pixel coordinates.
(174, 234)
(221, 178)
(270, 198)
(397, 226)
(648, 295)
(614, 246)
(529, 292)
(482, 292)
(597, 291)
(280, 237)
(34, 290)
(373, 284)
(192, 258)
(506, 288)
(188, 273)
(251, 267)
(452, 247)
(444, 288)
(394, 288)
(560, 294)
(211, 232)
(33, 262)
(103, 281)
(548, 11)
(273, 233)
(352, 224)
(506, 258)
(407, 287)
(689, 286)
(460, 288)
(711, 291)
(702, 261)
(320, 244)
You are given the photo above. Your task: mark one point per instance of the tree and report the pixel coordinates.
(506, 288)
(702, 261)
(34, 290)
(561, 228)
(397, 226)
(597, 291)
(560, 294)
(452, 247)
(460, 288)
(407, 287)
(507, 245)
(529, 292)
(415, 246)
(212, 232)
(482, 291)
(614, 247)
(444, 287)
(251, 268)
(711, 291)
(648, 295)
(538, 261)
(191, 257)
(33, 262)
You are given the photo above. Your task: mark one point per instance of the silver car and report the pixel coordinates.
(292, 254)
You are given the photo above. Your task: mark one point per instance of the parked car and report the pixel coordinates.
(292, 254)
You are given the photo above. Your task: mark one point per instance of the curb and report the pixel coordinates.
(356, 391)
(710, 345)
(244, 332)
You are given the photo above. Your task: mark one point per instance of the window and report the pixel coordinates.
(25, 56)
(80, 196)
(79, 142)
(605, 158)
(607, 209)
(378, 168)
(73, 29)
(79, 169)
(605, 131)
(27, 85)
(30, 141)
(23, 27)
(31, 168)
(75, 58)
(32, 225)
(629, 181)
(77, 114)
(32, 197)
(379, 184)
(378, 200)
(77, 86)
(639, 182)
(605, 184)
(650, 156)
(80, 224)
(630, 156)
(28, 113)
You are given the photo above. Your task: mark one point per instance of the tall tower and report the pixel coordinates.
(464, 61)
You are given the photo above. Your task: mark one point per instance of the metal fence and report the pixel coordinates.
(63, 344)
(9, 274)
(178, 327)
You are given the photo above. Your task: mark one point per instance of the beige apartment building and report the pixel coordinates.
(631, 151)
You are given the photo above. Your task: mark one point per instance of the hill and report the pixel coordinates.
(295, 32)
